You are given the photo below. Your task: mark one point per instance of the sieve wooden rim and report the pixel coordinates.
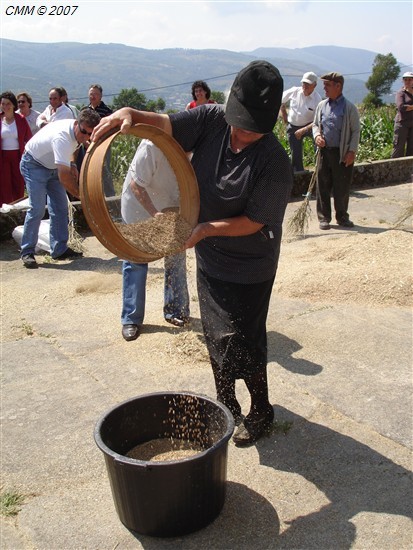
(93, 198)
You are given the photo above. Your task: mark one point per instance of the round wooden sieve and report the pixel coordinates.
(94, 201)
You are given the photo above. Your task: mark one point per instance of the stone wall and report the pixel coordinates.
(381, 173)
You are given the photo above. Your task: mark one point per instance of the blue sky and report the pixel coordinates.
(379, 26)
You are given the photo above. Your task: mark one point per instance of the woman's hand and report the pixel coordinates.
(198, 233)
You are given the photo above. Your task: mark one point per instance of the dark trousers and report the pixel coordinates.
(234, 322)
(296, 146)
(402, 141)
(333, 178)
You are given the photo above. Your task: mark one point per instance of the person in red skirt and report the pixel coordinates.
(15, 133)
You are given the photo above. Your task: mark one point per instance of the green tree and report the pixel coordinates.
(385, 71)
(219, 97)
(130, 97)
(156, 105)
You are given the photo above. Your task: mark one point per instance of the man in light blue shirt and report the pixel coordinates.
(336, 131)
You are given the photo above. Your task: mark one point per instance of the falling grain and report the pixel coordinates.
(162, 235)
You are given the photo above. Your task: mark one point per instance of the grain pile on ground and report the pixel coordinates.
(190, 345)
(161, 235)
(363, 268)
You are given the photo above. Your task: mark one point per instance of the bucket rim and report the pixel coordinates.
(158, 463)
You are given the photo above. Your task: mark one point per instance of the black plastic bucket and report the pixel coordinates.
(166, 498)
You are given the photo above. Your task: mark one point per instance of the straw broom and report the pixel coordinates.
(404, 215)
(297, 225)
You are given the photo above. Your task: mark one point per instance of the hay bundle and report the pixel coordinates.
(75, 240)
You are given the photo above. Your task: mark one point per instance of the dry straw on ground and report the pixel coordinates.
(370, 269)
(404, 216)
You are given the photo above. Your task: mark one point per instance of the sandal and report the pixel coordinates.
(252, 429)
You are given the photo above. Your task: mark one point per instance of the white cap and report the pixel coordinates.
(309, 78)
(409, 74)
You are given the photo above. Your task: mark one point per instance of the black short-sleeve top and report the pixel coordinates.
(256, 182)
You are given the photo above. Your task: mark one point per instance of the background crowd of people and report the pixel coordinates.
(297, 111)
(244, 177)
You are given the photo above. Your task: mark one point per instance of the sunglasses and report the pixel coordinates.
(83, 131)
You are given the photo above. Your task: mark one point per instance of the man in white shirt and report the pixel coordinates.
(49, 172)
(302, 102)
(57, 110)
(149, 188)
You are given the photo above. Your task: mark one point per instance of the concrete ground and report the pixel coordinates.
(340, 377)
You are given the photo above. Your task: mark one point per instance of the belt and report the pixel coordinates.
(332, 148)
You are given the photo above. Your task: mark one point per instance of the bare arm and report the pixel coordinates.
(299, 134)
(283, 112)
(240, 226)
(143, 197)
(126, 117)
(68, 178)
(41, 120)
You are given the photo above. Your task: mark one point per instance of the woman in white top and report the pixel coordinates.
(15, 133)
(24, 102)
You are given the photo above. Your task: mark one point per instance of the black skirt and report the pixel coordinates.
(234, 317)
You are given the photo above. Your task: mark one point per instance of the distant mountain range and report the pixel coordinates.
(166, 73)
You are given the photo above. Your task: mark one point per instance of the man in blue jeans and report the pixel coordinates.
(150, 187)
(49, 174)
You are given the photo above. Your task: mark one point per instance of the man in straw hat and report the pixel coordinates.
(336, 132)
(245, 178)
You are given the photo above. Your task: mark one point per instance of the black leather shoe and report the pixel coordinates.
(253, 428)
(130, 332)
(69, 254)
(346, 223)
(29, 261)
(175, 320)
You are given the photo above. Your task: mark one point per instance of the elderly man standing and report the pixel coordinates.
(302, 101)
(57, 110)
(96, 103)
(336, 132)
(48, 172)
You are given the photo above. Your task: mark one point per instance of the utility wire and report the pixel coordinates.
(208, 80)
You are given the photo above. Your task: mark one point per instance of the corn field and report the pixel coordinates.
(123, 149)
(376, 142)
